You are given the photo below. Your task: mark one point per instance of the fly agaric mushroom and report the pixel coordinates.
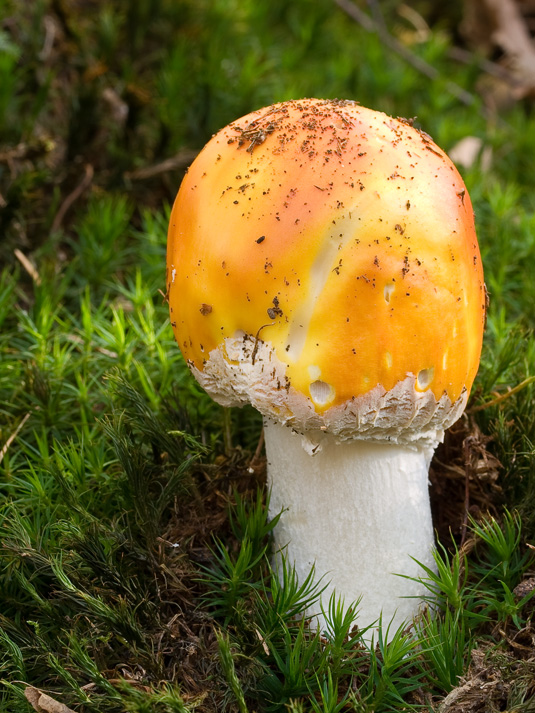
(323, 265)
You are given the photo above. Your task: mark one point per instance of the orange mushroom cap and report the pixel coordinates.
(327, 252)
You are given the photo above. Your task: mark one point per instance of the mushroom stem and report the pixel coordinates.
(359, 510)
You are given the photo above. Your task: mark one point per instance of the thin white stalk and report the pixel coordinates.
(359, 511)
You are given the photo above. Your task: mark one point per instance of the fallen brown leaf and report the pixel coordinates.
(499, 24)
(43, 703)
(468, 151)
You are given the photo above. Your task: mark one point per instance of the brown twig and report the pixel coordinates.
(227, 430)
(73, 196)
(13, 436)
(379, 28)
(257, 341)
(179, 161)
(467, 473)
(28, 265)
(485, 65)
(506, 395)
(256, 457)
(423, 31)
(50, 36)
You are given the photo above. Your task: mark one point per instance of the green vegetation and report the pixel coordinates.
(134, 541)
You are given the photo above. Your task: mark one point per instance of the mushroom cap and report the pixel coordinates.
(323, 264)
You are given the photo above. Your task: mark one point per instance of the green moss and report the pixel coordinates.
(134, 569)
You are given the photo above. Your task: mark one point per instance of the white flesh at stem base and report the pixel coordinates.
(359, 510)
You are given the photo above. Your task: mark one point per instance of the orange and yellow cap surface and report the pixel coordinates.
(336, 243)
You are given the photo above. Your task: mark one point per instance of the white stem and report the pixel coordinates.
(359, 510)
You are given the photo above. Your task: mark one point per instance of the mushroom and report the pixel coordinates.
(323, 266)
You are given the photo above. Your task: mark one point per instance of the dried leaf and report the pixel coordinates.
(524, 588)
(43, 703)
(32, 696)
(468, 151)
(499, 23)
